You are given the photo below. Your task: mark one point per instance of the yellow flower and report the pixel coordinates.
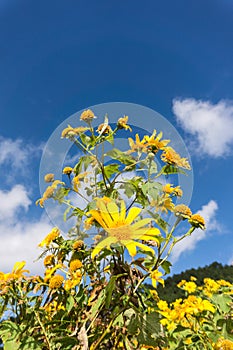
(89, 222)
(48, 192)
(170, 156)
(78, 178)
(74, 281)
(104, 129)
(67, 170)
(155, 277)
(163, 305)
(155, 144)
(50, 271)
(122, 123)
(53, 307)
(198, 221)
(52, 235)
(137, 145)
(56, 281)
(49, 260)
(164, 203)
(87, 116)
(190, 287)
(182, 211)
(77, 245)
(16, 273)
(120, 228)
(71, 132)
(75, 265)
(172, 190)
(49, 178)
(223, 344)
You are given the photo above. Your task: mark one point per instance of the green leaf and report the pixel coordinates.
(171, 169)
(111, 169)
(122, 157)
(69, 303)
(222, 300)
(98, 305)
(166, 266)
(61, 193)
(159, 221)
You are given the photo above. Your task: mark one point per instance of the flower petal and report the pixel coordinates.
(104, 243)
(133, 213)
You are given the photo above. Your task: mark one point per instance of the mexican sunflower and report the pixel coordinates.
(120, 227)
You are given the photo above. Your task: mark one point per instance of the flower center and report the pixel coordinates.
(120, 233)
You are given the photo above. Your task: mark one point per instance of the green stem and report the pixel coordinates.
(44, 331)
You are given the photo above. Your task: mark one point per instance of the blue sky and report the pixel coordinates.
(59, 57)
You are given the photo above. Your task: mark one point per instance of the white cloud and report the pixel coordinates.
(12, 201)
(189, 243)
(19, 235)
(16, 157)
(211, 125)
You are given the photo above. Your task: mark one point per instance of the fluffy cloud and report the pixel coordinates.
(19, 235)
(189, 243)
(16, 158)
(211, 125)
(12, 201)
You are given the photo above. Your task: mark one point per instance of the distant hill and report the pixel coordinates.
(215, 271)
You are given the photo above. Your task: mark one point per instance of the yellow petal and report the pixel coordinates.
(141, 223)
(144, 247)
(101, 245)
(113, 210)
(133, 213)
(131, 247)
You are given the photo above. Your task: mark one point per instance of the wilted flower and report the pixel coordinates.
(87, 116)
(49, 178)
(182, 211)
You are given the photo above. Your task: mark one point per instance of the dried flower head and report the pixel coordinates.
(182, 211)
(87, 116)
(49, 178)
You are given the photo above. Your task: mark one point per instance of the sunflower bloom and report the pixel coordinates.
(77, 245)
(87, 116)
(104, 129)
(154, 143)
(170, 156)
(172, 190)
(197, 221)
(52, 235)
(56, 281)
(223, 344)
(122, 123)
(137, 145)
(67, 170)
(16, 273)
(71, 132)
(156, 277)
(75, 265)
(182, 211)
(120, 229)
